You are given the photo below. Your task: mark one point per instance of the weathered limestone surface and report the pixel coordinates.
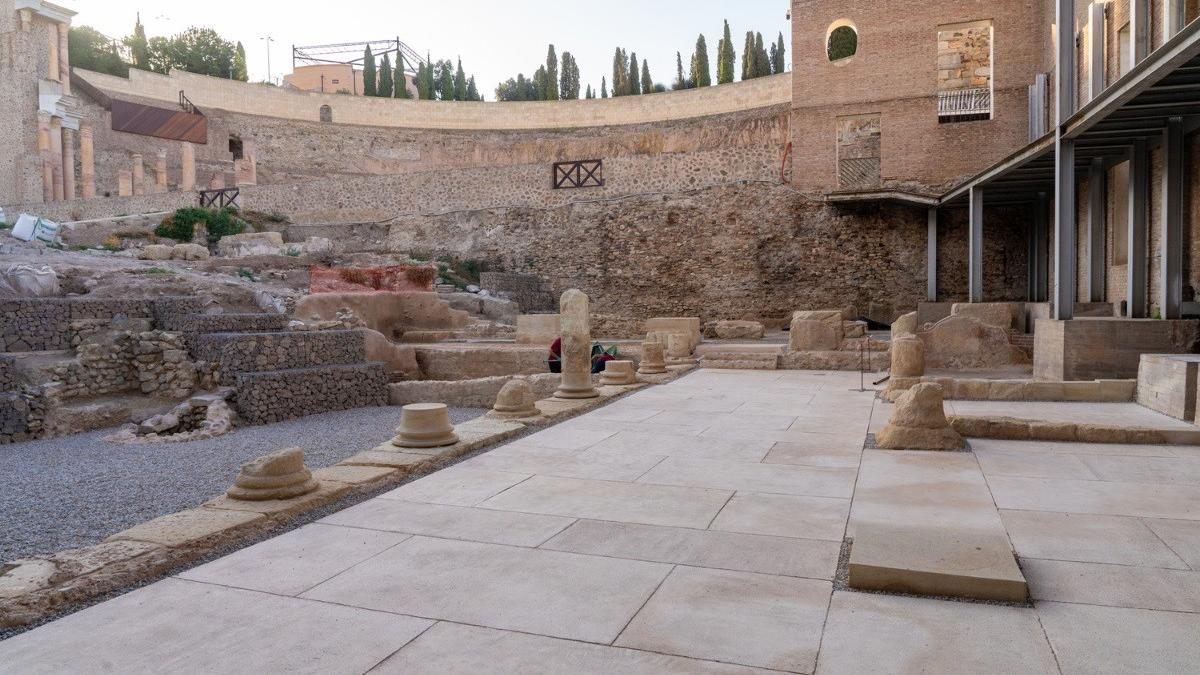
(154, 252)
(654, 360)
(279, 475)
(473, 393)
(1092, 349)
(515, 401)
(964, 342)
(389, 313)
(576, 348)
(904, 326)
(189, 252)
(1006, 315)
(618, 373)
(1167, 383)
(250, 244)
(660, 328)
(738, 330)
(538, 329)
(908, 357)
(919, 423)
(815, 334)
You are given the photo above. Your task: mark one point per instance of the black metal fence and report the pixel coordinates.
(220, 199)
(581, 174)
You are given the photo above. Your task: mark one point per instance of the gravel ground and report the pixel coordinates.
(74, 491)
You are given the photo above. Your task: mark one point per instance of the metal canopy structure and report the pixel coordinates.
(1140, 105)
(352, 53)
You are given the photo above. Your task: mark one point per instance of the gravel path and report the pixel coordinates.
(67, 492)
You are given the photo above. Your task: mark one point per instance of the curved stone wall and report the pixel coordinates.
(261, 99)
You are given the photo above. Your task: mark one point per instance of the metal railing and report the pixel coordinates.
(965, 103)
(220, 199)
(580, 174)
(186, 104)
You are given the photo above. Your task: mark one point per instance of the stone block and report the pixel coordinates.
(1167, 383)
(739, 330)
(905, 325)
(808, 335)
(661, 327)
(538, 329)
(189, 252)
(964, 342)
(353, 474)
(1095, 349)
(250, 244)
(962, 563)
(1005, 315)
(908, 357)
(195, 527)
(154, 252)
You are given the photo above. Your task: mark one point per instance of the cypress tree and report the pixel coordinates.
(429, 85)
(762, 62)
(460, 83)
(422, 92)
(725, 58)
(385, 77)
(701, 72)
(603, 88)
(635, 78)
(589, 92)
(369, 76)
(781, 50)
(569, 78)
(447, 81)
(620, 82)
(139, 46)
(539, 83)
(680, 82)
(551, 93)
(400, 80)
(472, 90)
(748, 57)
(239, 64)
(647, 83)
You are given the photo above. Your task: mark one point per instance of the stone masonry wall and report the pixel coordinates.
(524, 289)
(263, 398)
(45, 324)
(237, 353)
(154, 363)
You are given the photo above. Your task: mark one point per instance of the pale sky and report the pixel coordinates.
(495, 39)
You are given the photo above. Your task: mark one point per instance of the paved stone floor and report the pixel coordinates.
(692, 527)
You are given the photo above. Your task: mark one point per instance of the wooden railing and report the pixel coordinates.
(580, 174)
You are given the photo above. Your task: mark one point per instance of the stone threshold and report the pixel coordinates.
(35, 587)
(979, 389)
(1014, 429)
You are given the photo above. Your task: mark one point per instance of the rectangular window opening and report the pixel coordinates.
(964, 72)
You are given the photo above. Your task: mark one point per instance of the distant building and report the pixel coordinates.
(332, 78)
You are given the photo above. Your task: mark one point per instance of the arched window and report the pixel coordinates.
(326, 114)
(842, 41)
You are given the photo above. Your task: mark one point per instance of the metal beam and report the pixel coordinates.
(1096, 41)
(1097, 202)
(1171, 280)
(1174, 17)
(931, 259)
(1139, 184)
(1041, 236)
(1064, 163)
(975, 246)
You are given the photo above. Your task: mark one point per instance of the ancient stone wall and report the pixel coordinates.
(22, 415)
(267, 397)
(225, 323)
(44, 324)
(237, 353)
(526, 290)
(154, 363)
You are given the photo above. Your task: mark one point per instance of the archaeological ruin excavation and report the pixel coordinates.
(878, 351)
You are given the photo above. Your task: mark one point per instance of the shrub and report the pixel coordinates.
(181, 225)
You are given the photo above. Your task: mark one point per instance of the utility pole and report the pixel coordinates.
(269, 40)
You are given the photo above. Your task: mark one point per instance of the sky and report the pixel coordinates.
(495, 39)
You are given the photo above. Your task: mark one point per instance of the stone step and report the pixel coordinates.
(236, 353)
(926, 523)
(740, 361)
(276, 395)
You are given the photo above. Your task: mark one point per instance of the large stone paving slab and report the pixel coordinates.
(700, 548)
(177, 626)
(868, 633)
(520, 458)
(641, 443)
(1091, 640)
(770, 478)
(450, 522)
(457, 486)
(605, 500)
(536, 591)
(296, 561)
(1183, 536)
(1148, 500)
(785, 516)
(734, 617)
(1087, 538)
(454, 648)
(1114, 585)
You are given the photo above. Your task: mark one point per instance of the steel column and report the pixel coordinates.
(975, 246)
(1139, 29)
(1171, 272)
(931, 260)
(1139, 184)
(1041, 236)
(1097, 208)
(1096, 41)
(1064, 163)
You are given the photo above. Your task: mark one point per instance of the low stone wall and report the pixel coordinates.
(274, 396)
(527, 290)
(22, 415)
(10, 377)
(454, 362)
(227, 323)
(237, 353)
(479, 393)
(152, 362)
(45, 324)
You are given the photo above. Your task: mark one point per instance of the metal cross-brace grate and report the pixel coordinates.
(580, 174)
(858, 173)
(964, 104)
(220, 199)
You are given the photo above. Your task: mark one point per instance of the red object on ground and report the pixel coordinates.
(391, 279)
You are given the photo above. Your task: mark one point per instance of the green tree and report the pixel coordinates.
(725, 58)
(430, 86)
(370, 77)
(422, 93)
(843, 43)
(385, 78)
(519, 89)
(748, 57)
(139, 46)
(701, 72)
(603, 88)
(780, 66)
(460, 82)
(762, 62)
(92, 50)
(647, 83)
(680, 81)
(635, 77)
(539, 82)
(589, 94)
(472, 90)
(569, 78)
(197, 50)
(551, 82)
(240, 72)
(620, 81)
(400, 79)
(446, 80)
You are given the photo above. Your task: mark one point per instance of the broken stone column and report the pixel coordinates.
(908, 357)
(68, 161)
(576, 347)
(679, 349)
(139, 175)
(160, 172)
(87, 161)
(919, 422)
(187, 162)
(618, 373)
(515, 401)
(653, 360)
(904, 326)
(56, 150)
(124, 183)
(425, 425)
(279, 475)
